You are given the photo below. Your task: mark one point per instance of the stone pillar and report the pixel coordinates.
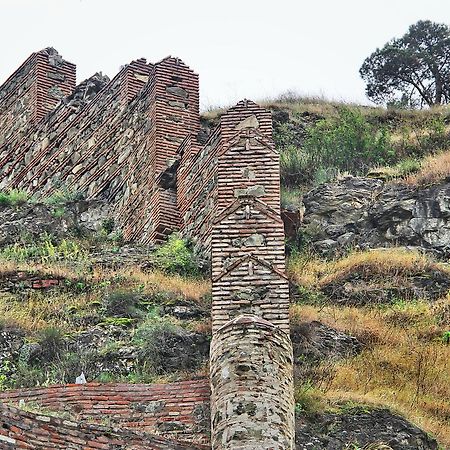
(251, 353)
(252, 401)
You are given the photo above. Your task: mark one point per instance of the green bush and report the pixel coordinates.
(13, 197)
(343, 143)
(51, 341)
(123, 304)
(348, 143)
(153, 339)
(175, 257)
(164, 347)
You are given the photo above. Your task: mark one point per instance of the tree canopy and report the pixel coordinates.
(413, 70)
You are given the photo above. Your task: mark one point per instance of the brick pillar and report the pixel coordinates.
(32, 91)
(252, 399)
(175, 115)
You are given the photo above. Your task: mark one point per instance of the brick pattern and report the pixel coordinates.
(31, 92)
(26, 430)
(176, 410)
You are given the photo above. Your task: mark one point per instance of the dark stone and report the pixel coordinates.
(360, 427)
(318, 342)
(367, 213)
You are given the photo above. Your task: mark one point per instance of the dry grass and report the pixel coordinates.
(295, 102)
(311, 271)
(405, 365)
(34, 310)
(190, 289)
(435, 169)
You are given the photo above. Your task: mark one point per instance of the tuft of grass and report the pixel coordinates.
(311, 271)
(62, 197)
(14, 197)
(44, 250)
(434, 170)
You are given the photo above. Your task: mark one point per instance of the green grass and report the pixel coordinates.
(13, 197)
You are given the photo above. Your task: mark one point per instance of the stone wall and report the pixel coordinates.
(114, 146)
(175, 411)
(28, 430)
(136, 145)
(229, 201)
(252, 404)
(32, 91)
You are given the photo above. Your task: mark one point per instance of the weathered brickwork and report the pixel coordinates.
(135, 142)
(27, 430)
(176, 410)
(33, 90)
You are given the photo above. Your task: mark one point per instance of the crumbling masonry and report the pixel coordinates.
(135, 141)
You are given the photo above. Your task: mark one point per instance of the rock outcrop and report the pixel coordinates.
(367, 213)
(315, 341)
(359, 427)
(30, 221)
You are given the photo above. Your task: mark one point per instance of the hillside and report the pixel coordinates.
(370, 302)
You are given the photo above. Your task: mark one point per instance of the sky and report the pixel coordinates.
(253, 49)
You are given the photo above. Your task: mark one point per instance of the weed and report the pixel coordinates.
(62, 197)
(175, 257)
(14, 197)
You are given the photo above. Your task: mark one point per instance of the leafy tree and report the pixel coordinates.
(413, 70)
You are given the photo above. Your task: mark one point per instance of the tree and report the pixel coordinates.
(413, 70)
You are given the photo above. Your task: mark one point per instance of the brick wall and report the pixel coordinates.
(31, 92)
(27, 430)
(114, 147)
(175, 410)
(135, 144)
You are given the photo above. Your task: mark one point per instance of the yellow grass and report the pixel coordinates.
(405, 364)
(311, 271)
(434, 170)
(36, 310)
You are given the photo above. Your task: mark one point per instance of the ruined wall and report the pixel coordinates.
(33, 90)
(172, 94)
(135, 144)
(115, 146)
(175, 410)
(27, 430)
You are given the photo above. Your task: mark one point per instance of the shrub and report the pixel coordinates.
(165, 347)
(45, 250)
(51, 341)
(123, 304)
(175, 257)
(13, 197)
(346, 142)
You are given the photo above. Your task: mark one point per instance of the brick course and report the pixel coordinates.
(175, 410)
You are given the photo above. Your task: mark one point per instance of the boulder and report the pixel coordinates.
(360, 427)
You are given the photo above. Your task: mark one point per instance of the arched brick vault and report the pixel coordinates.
(134, 142)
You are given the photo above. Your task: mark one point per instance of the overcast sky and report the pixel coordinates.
(241, 48)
